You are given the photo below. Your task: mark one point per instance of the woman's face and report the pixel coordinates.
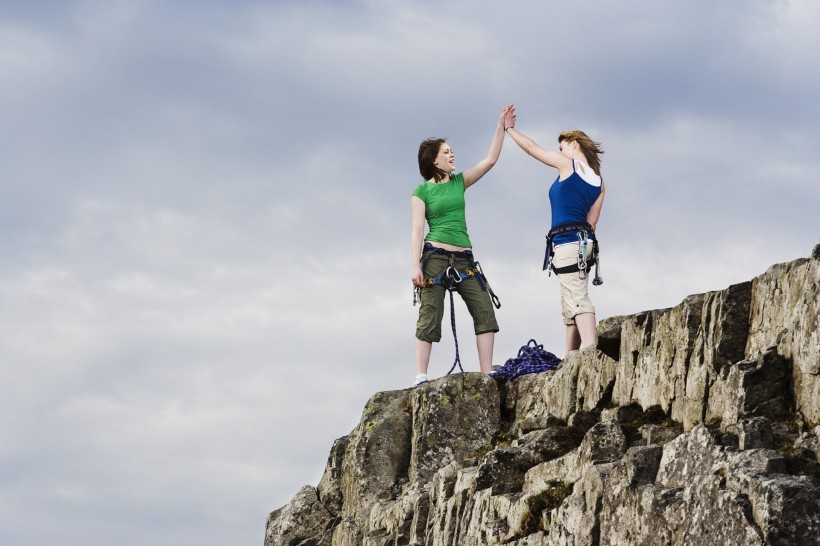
(446, 159)
(568, 148)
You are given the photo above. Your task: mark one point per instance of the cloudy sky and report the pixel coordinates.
(204, 261)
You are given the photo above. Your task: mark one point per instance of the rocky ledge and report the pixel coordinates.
(696, 425)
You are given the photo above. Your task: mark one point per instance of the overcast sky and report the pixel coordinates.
(204, 261)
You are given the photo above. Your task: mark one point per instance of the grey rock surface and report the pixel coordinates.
(696, 425)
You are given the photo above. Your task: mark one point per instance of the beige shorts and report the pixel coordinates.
(574, 289)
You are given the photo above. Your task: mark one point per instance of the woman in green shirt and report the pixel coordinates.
(439, 201)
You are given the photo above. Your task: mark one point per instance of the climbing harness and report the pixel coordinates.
(450, 278)
(585, 234)
(532, 358)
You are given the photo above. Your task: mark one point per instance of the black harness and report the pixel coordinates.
(585, 236)
(450, 277)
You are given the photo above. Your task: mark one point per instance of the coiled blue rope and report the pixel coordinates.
(532, 358)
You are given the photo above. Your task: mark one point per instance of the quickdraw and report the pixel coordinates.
(450, 278)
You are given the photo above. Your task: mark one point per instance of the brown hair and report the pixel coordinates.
(589, 147)
(428, 150)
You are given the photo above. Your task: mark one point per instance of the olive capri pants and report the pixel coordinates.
(428, 327)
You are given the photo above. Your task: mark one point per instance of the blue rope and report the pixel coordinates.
(455, 337)
(532, 358)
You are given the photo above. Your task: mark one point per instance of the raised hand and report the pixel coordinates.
(509, 117)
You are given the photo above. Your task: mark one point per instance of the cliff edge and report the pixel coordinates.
(696, 425)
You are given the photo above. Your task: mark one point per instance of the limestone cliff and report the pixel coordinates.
(695, 425)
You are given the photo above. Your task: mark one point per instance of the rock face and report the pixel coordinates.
(696, 425)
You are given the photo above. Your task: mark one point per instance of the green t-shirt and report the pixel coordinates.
(444, 211)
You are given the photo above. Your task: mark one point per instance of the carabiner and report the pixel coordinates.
(452, 274)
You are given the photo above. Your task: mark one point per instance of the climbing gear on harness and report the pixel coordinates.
(582, 253)
(450, 278)
(532, 358)
(585, 234)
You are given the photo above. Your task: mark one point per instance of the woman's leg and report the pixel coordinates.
(423, 350)
(573, 339)
(587, 329)
(484, 342)
(576, 308)
(484, 323)
(428, 327)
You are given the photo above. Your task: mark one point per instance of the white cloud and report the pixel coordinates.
(206, 221)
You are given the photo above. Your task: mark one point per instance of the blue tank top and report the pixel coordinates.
(570, 201)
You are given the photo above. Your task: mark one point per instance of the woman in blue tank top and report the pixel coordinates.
(576, 198)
